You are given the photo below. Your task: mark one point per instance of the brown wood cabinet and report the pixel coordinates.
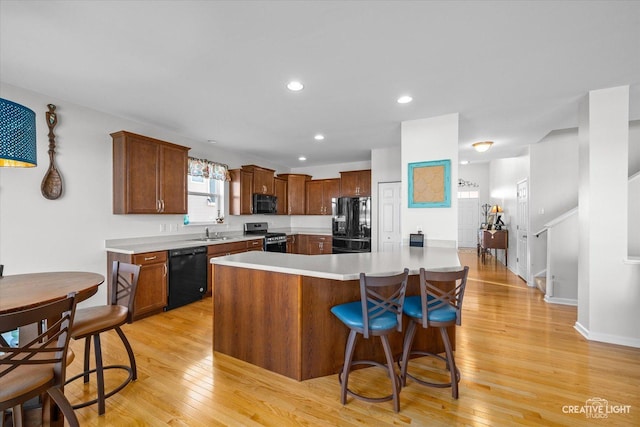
(151, 294)
(262, 179)
(355, 183)
(223, 249)
(496, 239)
(280, 185)
(296, 192)
(319, 193)
(314, 244)
(292, 244)
(240, 192)
(149, 175)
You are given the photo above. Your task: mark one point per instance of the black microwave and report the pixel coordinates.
(265, 204)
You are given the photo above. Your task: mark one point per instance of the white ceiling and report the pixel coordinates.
(217, 70)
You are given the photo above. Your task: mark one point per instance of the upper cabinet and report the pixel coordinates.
(295, 200)
(319, 193)
(280, 185)
(240, 192)
(355, 183)
(262, 179)
(149, 175)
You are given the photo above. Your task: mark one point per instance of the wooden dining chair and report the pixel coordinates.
(37, 367)
(378, 313)
(90, 322)
(435, 308)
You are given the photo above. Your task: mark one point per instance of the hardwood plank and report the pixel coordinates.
(520, 359)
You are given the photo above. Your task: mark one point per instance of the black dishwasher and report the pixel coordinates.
(187, 276)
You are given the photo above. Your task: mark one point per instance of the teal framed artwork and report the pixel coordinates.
(430, 184)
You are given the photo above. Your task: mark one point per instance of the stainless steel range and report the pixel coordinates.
(273, 242)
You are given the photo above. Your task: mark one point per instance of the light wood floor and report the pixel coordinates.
(520, 359)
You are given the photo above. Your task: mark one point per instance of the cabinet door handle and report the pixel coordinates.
(150, 258)
(165, 269)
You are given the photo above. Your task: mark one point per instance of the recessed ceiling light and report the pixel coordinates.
(295, 86)
(318, 137)
(405, 99)
(302, 158)
(212, 141)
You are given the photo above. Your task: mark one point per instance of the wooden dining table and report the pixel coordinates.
(22, 291)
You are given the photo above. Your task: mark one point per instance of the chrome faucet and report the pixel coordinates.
(206, 232)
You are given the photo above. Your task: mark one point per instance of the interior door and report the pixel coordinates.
(468, 222)
(389, 205)
(522, 227)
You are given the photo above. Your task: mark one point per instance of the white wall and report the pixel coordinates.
(504, 175)
(428, 140)
(634, 214)
(634, 147)
(479, 174)
(553, 188)
(385, 167)
(38, 235)
(608, 293)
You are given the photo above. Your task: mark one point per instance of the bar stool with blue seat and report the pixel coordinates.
(378, 313)
(438, 308)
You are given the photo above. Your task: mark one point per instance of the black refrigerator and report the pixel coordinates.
(351, 224)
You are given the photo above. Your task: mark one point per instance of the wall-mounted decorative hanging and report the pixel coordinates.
(430, 184)
(17, 135)
(52, 182)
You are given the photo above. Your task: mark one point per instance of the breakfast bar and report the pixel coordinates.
(272, 309)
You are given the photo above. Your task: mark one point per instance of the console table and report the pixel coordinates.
(493, 239)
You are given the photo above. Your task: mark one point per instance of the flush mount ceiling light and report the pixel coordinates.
(18, 135)
(318, 137)
(405, 99)
(295, 86)
(302, 158)
(464, 162)
(483, 146)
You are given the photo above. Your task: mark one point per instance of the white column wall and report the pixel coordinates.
(385, 167)
(608, 292)
(429, 140)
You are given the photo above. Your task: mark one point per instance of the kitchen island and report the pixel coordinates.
(272, 309)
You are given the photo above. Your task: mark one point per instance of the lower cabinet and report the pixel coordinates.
(224, 249)
(292, 244)
(151, 294)
(314, 244)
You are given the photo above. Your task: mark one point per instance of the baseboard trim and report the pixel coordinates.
(606, 338)
(563, 301)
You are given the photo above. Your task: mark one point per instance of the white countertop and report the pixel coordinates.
(346, 266)
(140, 245)
(153, 246)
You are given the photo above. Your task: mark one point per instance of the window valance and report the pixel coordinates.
(208, 169)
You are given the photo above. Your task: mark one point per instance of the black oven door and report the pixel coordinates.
(276, 247)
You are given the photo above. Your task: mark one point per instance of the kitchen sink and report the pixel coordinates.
(211, 239)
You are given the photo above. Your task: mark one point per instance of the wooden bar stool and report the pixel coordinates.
(378, 313)
(90, 322)
(37, 367)
(434, 308)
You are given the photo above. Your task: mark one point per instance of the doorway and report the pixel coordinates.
(522, 227)
(389, 205)
(468, 221)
